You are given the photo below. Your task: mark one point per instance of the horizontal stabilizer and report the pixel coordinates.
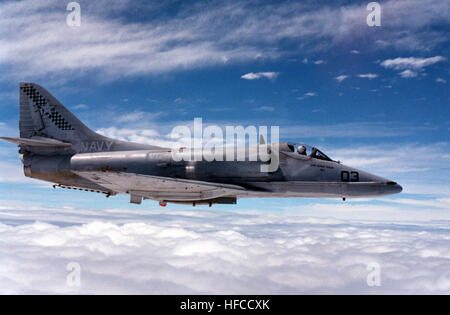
(37, 142)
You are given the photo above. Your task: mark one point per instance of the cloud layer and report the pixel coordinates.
(138, 251)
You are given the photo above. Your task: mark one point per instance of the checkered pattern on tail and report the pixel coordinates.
(41, 103)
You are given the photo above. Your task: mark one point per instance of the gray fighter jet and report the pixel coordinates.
(56, 147)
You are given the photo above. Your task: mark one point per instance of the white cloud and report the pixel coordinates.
(146, 136)
(217, 252)
(408, 74)
(306, 95)
(259, 75)
(369, 76)
(410, 66)
(354, 52)
(341, 78)
(441, 80)
(319, 62)
(410, 63)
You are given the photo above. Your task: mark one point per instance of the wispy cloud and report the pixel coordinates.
(369, 76)
(410, 62)
(266, 108)
(408, 74)
(80, 106)
(138, 116)
(341, 78)
(404, 158)
(307, 95)
(147, 136)
(410, 66)
(316, 62)
(131, 117)
(259, 75)
(353, 130)
(42, 44)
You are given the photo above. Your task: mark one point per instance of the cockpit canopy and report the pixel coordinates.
(307, 150)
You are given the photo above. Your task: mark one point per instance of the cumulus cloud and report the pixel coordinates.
(217, 252)
(441, 80)
(259, 75)
(369, 76)
(341, 78)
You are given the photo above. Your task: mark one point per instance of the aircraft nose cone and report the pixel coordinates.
(393, 187)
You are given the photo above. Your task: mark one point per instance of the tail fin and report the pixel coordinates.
(42, 115)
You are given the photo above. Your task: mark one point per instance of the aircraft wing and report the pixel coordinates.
(37, 142)
(160, 188)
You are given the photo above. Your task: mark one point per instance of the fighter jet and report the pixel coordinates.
(57, 147)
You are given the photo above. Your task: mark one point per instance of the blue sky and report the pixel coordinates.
(374, 97)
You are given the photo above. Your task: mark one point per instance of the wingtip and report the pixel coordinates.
(9, 139)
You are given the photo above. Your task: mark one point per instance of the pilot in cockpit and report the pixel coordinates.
(301, 149)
